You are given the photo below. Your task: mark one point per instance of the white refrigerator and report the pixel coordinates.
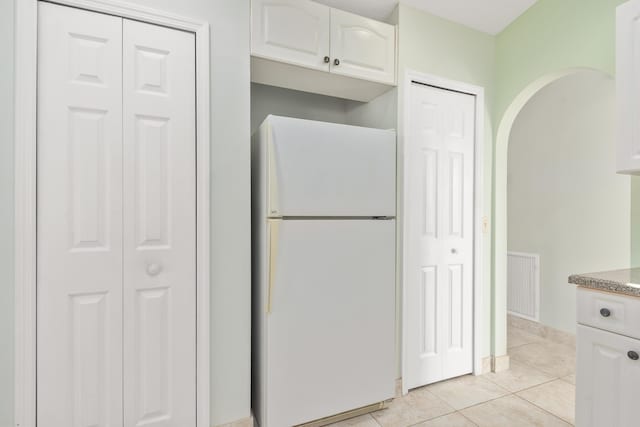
(324, 239)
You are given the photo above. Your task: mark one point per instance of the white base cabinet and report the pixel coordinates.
(608, 365)
(607, 379)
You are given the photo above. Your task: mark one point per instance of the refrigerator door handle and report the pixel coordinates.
(274, 228)
(273, 178)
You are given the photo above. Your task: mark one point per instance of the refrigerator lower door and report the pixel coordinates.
(330, 327)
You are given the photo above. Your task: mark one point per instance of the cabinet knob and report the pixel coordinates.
(633, 355)
(605, 312)
(154, 269)
(336, 61)
(326, 59)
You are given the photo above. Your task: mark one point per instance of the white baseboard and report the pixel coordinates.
(500, 363)
(486, 365)
(543, 331)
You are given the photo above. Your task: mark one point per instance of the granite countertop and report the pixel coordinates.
(625, 282)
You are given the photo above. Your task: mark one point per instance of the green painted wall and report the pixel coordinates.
(550, 38)
(553, 35)
(434, 45)
(560, 149)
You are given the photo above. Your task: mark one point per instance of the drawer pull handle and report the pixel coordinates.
(326, 59)
(633, 355)
(605, 312)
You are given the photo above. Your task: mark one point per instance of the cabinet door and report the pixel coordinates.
(362, 48)
(607, 378)
(292, 31)
(628, 86)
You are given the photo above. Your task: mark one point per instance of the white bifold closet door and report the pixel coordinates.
(116, 203)
(159, 201)
(440, 144)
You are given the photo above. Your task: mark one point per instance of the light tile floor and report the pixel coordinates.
(538, 390)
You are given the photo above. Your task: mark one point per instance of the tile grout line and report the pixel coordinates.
(519, 397)
(453, 410)
(533, 386)
(544, 372)
(482, 403)
(508, 392)
(537, 385)
(468, 419)
(544, 410)
(432, 418)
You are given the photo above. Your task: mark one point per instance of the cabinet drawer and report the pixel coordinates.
(615, 313)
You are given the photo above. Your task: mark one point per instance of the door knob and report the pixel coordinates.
(605, 312)
(154, 269)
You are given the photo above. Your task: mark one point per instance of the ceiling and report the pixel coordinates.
(489, 16)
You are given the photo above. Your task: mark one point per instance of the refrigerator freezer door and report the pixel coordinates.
(331, 334)
(325, 169)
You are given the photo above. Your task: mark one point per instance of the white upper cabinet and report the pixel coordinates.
(292, 31)
(362, 47)
(307, 46)
(628, 86)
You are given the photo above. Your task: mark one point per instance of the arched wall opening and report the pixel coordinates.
(500, 220)
(566, 206)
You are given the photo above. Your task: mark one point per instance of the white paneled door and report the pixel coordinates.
(116, 207)
(439, 232)
(80, 266)
(159, 226)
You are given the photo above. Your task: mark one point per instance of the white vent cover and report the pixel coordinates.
(523, 285)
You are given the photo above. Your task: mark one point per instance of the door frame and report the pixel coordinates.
(25, 196)
(478, 218)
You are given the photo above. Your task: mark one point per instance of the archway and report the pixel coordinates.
(500, 220)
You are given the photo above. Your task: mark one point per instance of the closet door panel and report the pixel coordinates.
(79, 218)
(160, 226)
